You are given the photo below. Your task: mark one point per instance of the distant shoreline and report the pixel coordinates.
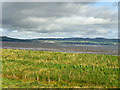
(62, 52)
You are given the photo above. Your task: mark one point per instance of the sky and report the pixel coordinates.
(27, 20)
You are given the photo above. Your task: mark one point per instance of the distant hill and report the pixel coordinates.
(4, 38)
(88, 41)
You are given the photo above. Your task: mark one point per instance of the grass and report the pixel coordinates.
(40, 69)
(79, 41)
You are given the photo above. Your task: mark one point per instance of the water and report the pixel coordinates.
(67, 48)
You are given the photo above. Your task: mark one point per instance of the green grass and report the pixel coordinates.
(78, 41)
(36, 69)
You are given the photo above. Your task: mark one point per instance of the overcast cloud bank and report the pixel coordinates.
(50, 19)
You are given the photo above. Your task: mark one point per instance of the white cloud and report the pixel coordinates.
(102, 31)
(77, 20)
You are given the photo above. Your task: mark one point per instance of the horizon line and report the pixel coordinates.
(59, 37)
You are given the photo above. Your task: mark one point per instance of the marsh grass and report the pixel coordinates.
(35, 69)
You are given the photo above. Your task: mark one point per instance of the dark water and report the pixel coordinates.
(70, 48)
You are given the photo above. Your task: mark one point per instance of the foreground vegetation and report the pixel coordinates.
(35, 69)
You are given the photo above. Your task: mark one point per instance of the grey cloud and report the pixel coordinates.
(58, 18)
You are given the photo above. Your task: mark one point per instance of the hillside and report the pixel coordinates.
(87, 41)
(4, 38)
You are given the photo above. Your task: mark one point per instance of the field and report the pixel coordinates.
(42, 69)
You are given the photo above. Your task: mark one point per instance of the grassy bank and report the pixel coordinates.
(35, 69)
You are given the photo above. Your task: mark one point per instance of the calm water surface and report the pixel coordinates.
(70, 48)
